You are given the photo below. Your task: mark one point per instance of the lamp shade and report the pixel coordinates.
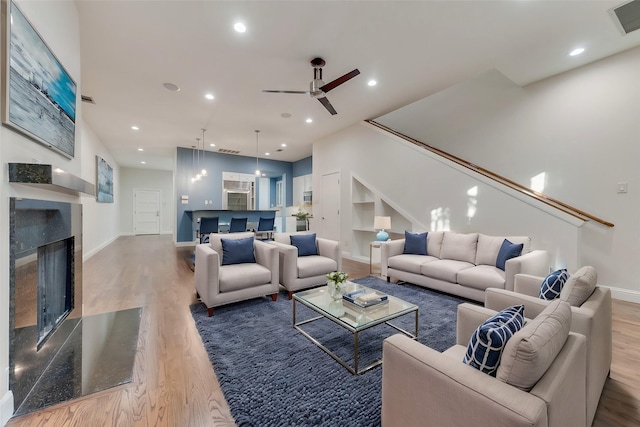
(382, 222)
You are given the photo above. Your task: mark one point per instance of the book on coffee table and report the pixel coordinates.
(365, 297)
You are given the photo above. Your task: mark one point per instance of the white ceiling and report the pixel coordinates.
(413, 49)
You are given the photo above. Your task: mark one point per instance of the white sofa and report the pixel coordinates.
(461, 264)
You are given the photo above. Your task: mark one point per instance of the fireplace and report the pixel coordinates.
(46, 286)
(55, 286)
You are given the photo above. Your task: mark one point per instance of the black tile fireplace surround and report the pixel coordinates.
(35, 224)
(80, 355)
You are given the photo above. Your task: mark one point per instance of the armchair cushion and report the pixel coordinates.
(530, 351)
(237, 251)
(580, 286)
(242, 276)
(490, 338)
(507, 251)
(306, 244)
(315, 265)
(553, 284)
(415, 244)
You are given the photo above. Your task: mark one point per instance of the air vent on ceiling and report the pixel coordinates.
(226, 151)
(88, 99)
(279, 149)
(627, 16)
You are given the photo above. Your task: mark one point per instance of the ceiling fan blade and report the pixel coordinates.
(324, 101)
(303, 92)
(337, 82)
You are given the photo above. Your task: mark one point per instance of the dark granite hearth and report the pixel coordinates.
(98, 354)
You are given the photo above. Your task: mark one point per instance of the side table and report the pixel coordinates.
(375, 244)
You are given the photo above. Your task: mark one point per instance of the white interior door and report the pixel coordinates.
(330, 206)
(146, 211)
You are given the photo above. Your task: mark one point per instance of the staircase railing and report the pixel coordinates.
(542, 198)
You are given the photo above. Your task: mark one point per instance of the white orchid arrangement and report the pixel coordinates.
(337, 277)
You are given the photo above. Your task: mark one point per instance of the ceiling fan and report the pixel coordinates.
(318, 88)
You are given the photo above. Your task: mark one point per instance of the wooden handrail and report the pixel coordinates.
(549, 201)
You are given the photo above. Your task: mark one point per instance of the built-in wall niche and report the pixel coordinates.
(367, 203)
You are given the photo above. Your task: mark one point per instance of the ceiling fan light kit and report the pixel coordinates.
(318, 88)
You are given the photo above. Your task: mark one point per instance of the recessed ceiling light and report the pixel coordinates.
(135, 128)
(267, 154)
(309, 120)
(140, 149)
(212, 145)
(372, 82)
(577, 51)
(171, 86)
(285, 115)
(283, 145)
(239, 27)
(209, 96)
(143, 162)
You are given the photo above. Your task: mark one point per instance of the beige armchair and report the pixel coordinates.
(591, 319)
(422, 387)
(218, 284)
(302, 272)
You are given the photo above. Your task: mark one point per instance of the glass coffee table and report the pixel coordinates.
(351, 317)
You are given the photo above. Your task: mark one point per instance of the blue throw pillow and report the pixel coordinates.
(237, 251)
(306, 244)
(415, 244)
(488, 341)
(553, 284)
(507, 251)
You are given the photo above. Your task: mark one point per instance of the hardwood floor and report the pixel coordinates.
(174, 383)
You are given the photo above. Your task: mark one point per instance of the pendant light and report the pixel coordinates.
(257, 168)
(198, 175)
(193, 155)
(203, 171)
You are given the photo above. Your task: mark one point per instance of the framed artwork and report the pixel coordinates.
(39, 96)
(104, 181)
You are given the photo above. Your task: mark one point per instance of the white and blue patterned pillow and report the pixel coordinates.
(552, 284)
(489, 339)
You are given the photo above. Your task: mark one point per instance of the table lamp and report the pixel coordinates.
(382, 223)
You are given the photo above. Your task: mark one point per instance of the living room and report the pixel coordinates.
(578, 127)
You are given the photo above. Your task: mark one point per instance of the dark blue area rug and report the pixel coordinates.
(271, 375)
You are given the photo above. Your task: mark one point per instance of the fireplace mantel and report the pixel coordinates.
(49, 177)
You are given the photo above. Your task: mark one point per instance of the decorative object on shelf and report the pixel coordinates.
(302, 215)
(382, 223)
(364, 298)
(337, 284)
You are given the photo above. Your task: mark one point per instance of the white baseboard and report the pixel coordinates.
(87, 255)
(625, 294)
(6, 407)
(185, 244)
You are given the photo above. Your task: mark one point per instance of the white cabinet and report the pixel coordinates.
(301, 184)
(298, 190)
(308, 180)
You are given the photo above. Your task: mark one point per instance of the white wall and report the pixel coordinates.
(100, 220)
(416, 183)
(581, 128)
(146, 179)
(58, 24)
